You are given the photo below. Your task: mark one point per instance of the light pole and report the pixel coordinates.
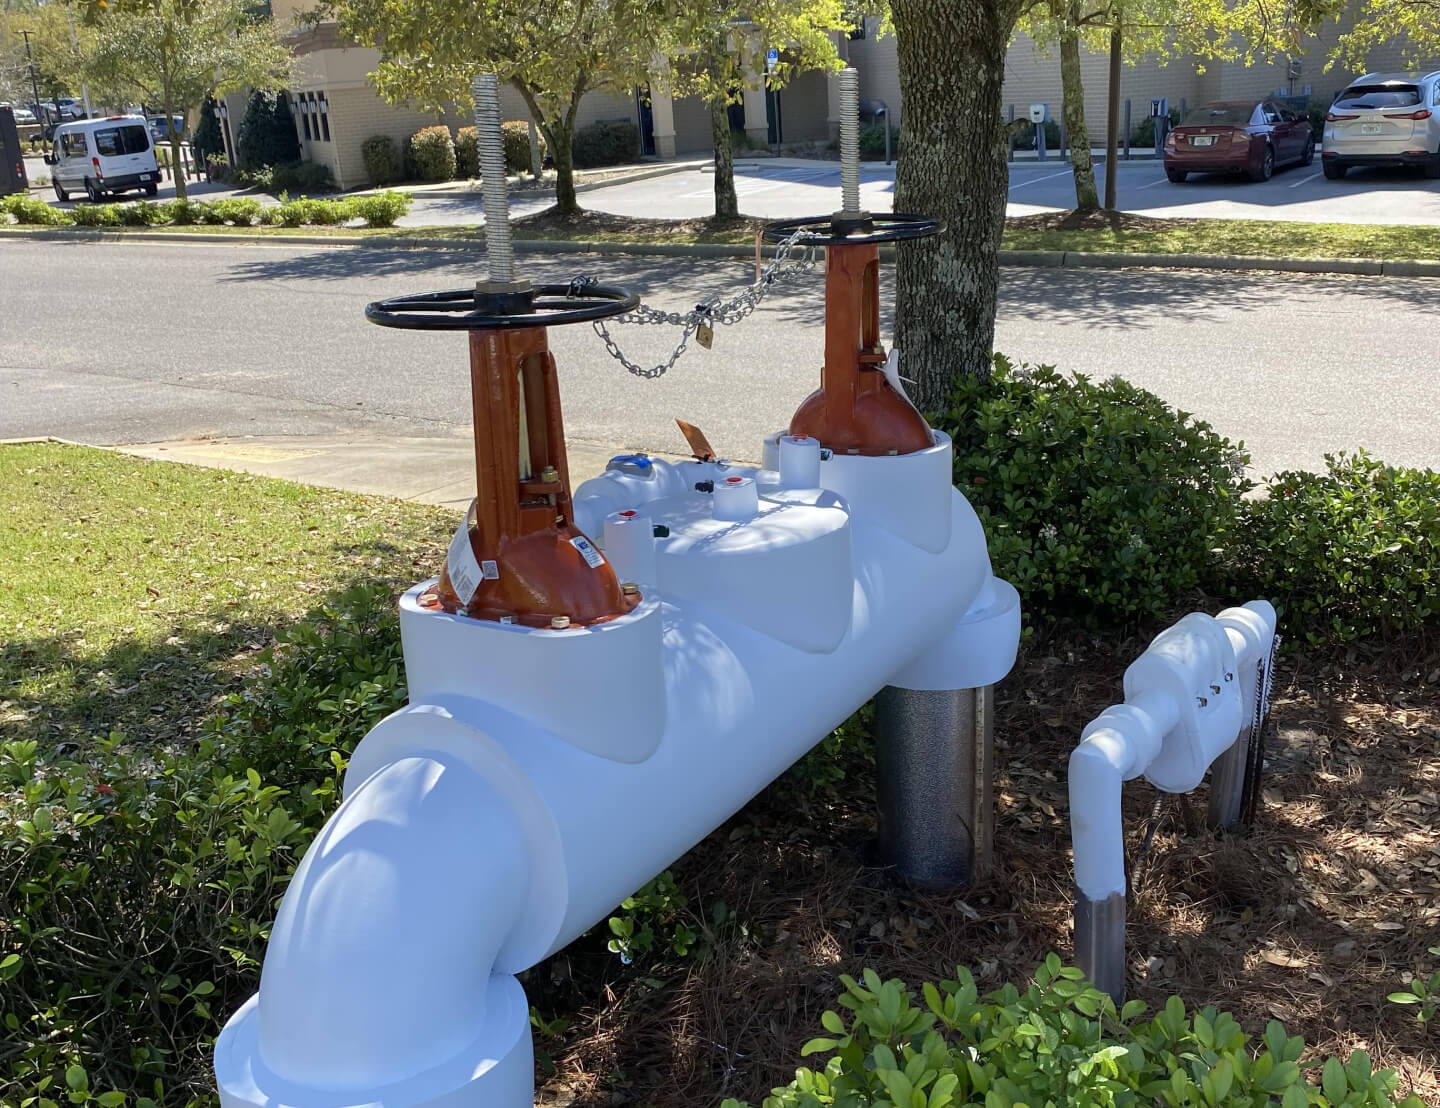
(75, 48)
(34, 85)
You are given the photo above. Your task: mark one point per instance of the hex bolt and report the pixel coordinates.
(498, 250)
(1229, 677)
(1215, 689)
(849, 81)
(1200, 700)
(559, 623)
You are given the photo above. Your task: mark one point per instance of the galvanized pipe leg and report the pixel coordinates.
(1227, 783)
(1100, 942)
(935, 759)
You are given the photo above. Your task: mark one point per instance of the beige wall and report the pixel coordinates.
(805, 109)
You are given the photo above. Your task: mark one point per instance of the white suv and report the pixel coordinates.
(1384, 119)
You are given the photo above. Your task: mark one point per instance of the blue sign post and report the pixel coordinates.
(772, 59)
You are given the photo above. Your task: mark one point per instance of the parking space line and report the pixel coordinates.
(1312, 177)
(1037, 180)
(1152, 184)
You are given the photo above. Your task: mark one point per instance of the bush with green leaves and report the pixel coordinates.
(302, 177)
(1059, 1042)
(467, 154)
(34, 212)
(1144, 132)
(380, 210)
(267, 131)
(652, 918)
(1423, 992)
(96, 215)
(1099, 500)
(604, 142)
(143, 213)
(431, 151)
(183, 213)
(1348, 554)
(208, 142)
(872, 141)
(381, 158)
(242, 211)
(307, 211)
(515, 137)
(141, 883)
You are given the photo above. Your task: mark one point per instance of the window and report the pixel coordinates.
(325, 116)
(1219, 115)
(73, 144)
(302, 102)
(130, 139)
(1378, 96)
(1272, 114)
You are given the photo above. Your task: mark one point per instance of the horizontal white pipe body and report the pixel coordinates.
(1187, 697)
(539, 777)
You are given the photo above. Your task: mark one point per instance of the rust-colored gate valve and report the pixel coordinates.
(531, 565)
(856, 409)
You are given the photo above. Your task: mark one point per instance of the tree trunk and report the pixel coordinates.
(177, 168)
(561, 136)
(1112, 117)
(1086, 196)
(952, 65)
(727, 204)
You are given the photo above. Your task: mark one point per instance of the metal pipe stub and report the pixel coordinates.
(1100, 942)
(487, 308)
(934, 766)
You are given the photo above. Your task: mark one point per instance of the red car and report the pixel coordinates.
(1254, 137)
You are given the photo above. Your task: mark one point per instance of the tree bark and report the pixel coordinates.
(561, 136)
(177, 169)
(727, 204)
(952, 66)
(1112, 116)
(1073, 89)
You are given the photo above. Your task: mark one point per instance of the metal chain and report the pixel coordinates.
(781, 270)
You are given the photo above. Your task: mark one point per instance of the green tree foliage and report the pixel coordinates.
(719, 47)
(267, 133)
(551, 51)
(208, 139)
(179, 53)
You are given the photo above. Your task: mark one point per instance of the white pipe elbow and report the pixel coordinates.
(1097, 835)
(380, 959)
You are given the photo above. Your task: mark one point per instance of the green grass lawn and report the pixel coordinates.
(1255, 237)
(1251, 237)
(133, 590)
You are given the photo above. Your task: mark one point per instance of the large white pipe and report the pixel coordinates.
(538, 777)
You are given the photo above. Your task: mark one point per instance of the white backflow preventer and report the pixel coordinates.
(1196, 697)
(538, 777)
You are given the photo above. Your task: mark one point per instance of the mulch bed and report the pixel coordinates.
(552, 220)
(1311, 916)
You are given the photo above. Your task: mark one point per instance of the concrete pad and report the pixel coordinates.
(439, 470)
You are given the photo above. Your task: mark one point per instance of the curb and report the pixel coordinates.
(1040, 259)
(523, 191)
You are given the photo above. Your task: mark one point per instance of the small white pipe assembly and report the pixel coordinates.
(1199, 691)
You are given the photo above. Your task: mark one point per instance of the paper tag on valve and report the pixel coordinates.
(892, 373)
(460, 565)
(593, 558)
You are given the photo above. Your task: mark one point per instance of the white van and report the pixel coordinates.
(104, 156)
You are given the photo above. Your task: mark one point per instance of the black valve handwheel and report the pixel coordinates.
(468, 310)
(839, 229)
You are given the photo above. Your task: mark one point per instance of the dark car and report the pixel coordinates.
(1254, 137)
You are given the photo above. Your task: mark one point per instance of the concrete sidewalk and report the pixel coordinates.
(438, 470)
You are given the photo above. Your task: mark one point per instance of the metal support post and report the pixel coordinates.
(935, 762)
(1100, 942)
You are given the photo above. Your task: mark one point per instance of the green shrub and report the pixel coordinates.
(1144, 132)
(604, 142)
(467, 154)
(1347, 554)
(239, 210)
(96, 215)
(207, 214)
(260, 178)
(217, 167)
(1025, 140)
(1099, 500)
(515, 139)
(1423, 992)
(380, 210)
(872, 141)
(183, 213)
(267, 132)
(208, 142)
(33, 211)
(141, 883)
(302, 177)
(142, 213)
(1058, 1042)
(307, 212)
(381, 158)
(431, 151)
(653, 914)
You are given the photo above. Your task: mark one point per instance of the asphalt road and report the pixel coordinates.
(140, 342)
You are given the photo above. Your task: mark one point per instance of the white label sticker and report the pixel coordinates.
(490, 570)
(460, 564)
(593, 558)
